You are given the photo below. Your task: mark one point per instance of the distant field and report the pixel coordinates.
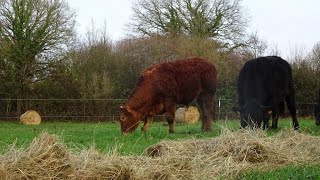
(106, 137)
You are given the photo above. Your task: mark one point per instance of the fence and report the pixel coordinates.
(102, 109)
(62, 109)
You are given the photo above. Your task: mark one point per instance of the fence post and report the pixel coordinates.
(219, 109)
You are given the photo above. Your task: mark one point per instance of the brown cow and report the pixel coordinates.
(164, 85)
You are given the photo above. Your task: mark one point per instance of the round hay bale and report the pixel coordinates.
(30, 117)
(189, 115)
(179, 115)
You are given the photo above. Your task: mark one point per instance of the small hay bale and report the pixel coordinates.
(188, 115)
(30, 117)
(179, 115)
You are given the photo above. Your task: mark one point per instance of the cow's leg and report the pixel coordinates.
(203, 113)
(206, 103)
(274, 121)
(170, 108)
(243, 123)
(266, 125)
(266, 122)
(293, 111)
(275, 113)
(147, 123)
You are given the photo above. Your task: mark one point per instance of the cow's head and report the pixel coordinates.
(129, 119)
(252, 114)
(317, 113)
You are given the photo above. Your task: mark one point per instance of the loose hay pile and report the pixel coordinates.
(45, 158)
(224, 156)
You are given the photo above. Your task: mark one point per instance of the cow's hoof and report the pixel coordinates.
(171, 131)
(296, 128)
(144, 130)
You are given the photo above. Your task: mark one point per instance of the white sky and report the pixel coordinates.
(286, 24)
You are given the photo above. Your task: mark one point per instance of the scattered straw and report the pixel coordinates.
(224, 156)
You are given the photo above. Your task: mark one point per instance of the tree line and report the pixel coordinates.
(41, 56)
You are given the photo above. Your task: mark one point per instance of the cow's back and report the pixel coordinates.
(264, 78)
(182, 79)
(193, 77)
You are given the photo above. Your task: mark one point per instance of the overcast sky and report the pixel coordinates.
(285, 24)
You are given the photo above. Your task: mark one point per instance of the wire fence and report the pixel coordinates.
(104, 109)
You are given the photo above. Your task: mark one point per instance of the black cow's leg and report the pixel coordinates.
(274, 120)
(170, 108)
(206, 103)
(243, 123)
(266, 122)
(293, 112)
(275, 113)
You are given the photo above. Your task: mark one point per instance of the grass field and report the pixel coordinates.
(106, 137)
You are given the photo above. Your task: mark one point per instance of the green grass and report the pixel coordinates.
(107, 136)
(104, 136)
(300, 172)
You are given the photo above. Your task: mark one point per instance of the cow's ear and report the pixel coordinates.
(126, 109)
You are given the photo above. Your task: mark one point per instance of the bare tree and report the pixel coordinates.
(223, 20)
(274, 51)
(254, 46)
(315, 57)
(32, 32)
(93, 63)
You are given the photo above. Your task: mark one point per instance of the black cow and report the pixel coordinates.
(317, 110)
(263, 84)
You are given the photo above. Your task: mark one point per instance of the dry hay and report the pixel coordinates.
(45, 158)
(30, 117)
(189, 115)
(223, 156)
